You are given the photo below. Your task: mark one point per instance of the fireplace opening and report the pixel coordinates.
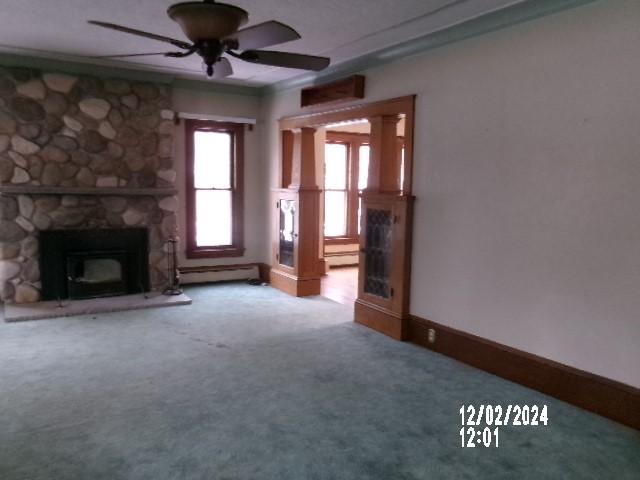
(93, 263)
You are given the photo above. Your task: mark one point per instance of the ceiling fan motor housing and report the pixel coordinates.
(206, 21)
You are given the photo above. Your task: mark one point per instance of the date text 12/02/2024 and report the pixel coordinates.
(494, 416)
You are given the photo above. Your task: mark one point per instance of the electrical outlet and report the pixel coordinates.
(431, 337)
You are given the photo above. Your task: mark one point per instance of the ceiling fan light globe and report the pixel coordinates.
(207, 20)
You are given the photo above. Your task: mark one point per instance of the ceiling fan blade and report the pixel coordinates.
(263, 35)
(222, 68)
(130, 55)
(285, 59)
(140, 33)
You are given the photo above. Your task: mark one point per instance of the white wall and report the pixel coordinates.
(527, 178)
(255, 189)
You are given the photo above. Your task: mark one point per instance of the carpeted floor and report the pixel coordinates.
(248, 383)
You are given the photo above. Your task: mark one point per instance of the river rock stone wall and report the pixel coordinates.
(59, 130)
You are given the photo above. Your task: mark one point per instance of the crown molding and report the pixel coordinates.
(490, 22)
(213, 87)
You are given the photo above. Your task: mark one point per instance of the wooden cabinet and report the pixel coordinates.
(385, 249)
(296, 266)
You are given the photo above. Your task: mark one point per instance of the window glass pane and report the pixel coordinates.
(212, 159)
(363, 167)
(335, 166)
(335, 214)
(213, 218)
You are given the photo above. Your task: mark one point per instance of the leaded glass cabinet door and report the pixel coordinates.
(287, 215)
(385, 249)
(286, 243)
(377, 252)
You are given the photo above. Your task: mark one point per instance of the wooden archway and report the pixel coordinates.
(385, 239)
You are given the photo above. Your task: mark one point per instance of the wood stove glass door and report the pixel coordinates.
(96, 274)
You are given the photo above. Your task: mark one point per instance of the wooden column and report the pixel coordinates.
(304, 277)
(384, 161)
(287, 158)
(303, 169)
(385, 308)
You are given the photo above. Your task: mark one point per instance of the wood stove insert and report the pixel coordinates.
(93, 263)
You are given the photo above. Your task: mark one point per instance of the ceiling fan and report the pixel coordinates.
(213, 29)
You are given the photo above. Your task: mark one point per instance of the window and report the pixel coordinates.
(336, 156)
(363, 176)
(345, 176)
(214, 189)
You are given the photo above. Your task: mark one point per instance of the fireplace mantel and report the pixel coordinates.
(109, 191)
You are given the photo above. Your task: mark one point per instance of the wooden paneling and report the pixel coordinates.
(380, 319)
(384, 162)
(308, 240)
(287, 158)
(303, 170)
(600, 395)
(294, 285)
(395, 106)
(351, 88)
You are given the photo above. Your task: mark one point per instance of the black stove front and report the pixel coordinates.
(93, 263)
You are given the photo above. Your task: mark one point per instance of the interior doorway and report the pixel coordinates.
(340, 284)
(345, 200)
(345, 175)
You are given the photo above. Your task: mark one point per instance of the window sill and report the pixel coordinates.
(214, 252)
(341, 240)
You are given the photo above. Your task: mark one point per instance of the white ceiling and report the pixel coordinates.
(340, 29)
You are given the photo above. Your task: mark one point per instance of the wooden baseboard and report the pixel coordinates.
(379, 319)
(264, 270)
(600, 395)
(296, 286)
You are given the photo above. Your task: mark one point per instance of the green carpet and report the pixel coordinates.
(249, 383)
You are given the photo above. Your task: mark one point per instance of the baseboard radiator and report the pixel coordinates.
(341, 259)
(219, 273)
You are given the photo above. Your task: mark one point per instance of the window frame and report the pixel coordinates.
(236, 248)
(346, 189)
(353, 141)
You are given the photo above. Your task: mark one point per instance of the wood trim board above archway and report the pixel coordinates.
(385, 239)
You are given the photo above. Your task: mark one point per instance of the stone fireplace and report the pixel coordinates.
(83, 153)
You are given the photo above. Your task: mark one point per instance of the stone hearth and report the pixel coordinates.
(71, 308)
(81, 152)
